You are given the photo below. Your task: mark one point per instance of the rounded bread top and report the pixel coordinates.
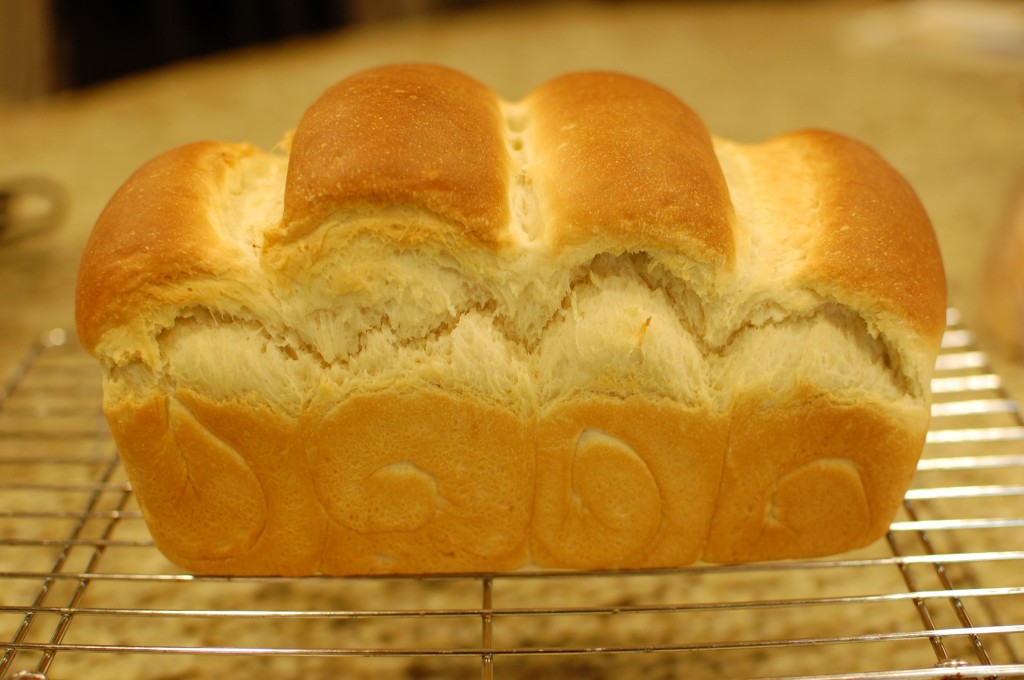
(587, 163)
(409, 136)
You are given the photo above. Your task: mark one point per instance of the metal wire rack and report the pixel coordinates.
(83, 592)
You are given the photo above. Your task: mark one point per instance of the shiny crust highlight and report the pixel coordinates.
(444, 332)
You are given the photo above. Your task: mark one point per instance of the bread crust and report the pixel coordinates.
(449, 333)
(218, 484)
(400, 477)
(873, 241)
(833, 488)
(414, 136)
(625, 483)
(623, 164)
(155, 242)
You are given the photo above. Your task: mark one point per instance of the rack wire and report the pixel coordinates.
(83, 592)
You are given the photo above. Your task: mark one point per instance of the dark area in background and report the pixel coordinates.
(96, 40)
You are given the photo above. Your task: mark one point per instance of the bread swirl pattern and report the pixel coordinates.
(447, 332)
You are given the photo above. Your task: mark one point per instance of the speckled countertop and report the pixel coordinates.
(946, 108)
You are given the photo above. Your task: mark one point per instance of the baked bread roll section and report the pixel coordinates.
(438, 331)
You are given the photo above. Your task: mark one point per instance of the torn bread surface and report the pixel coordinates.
(606, 340)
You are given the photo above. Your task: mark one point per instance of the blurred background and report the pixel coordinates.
(51, 45)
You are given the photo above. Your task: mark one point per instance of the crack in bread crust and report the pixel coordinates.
(424, 264)
(282, 347)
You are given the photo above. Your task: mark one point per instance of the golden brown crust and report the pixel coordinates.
(413, 136)
(421, 482)
(624, 164)
(625, 483)
(469, 335)
(809, 477)
(873, 243)
(218, 485)
(155, 236)
(880, 241)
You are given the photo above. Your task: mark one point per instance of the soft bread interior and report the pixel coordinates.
(394, 392)
(520, 331)
(391, 320)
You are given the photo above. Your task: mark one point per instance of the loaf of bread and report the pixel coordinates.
(438, 331)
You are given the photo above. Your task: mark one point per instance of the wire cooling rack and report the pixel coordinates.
(83, 592)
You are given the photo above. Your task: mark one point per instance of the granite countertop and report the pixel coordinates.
(946, 108)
